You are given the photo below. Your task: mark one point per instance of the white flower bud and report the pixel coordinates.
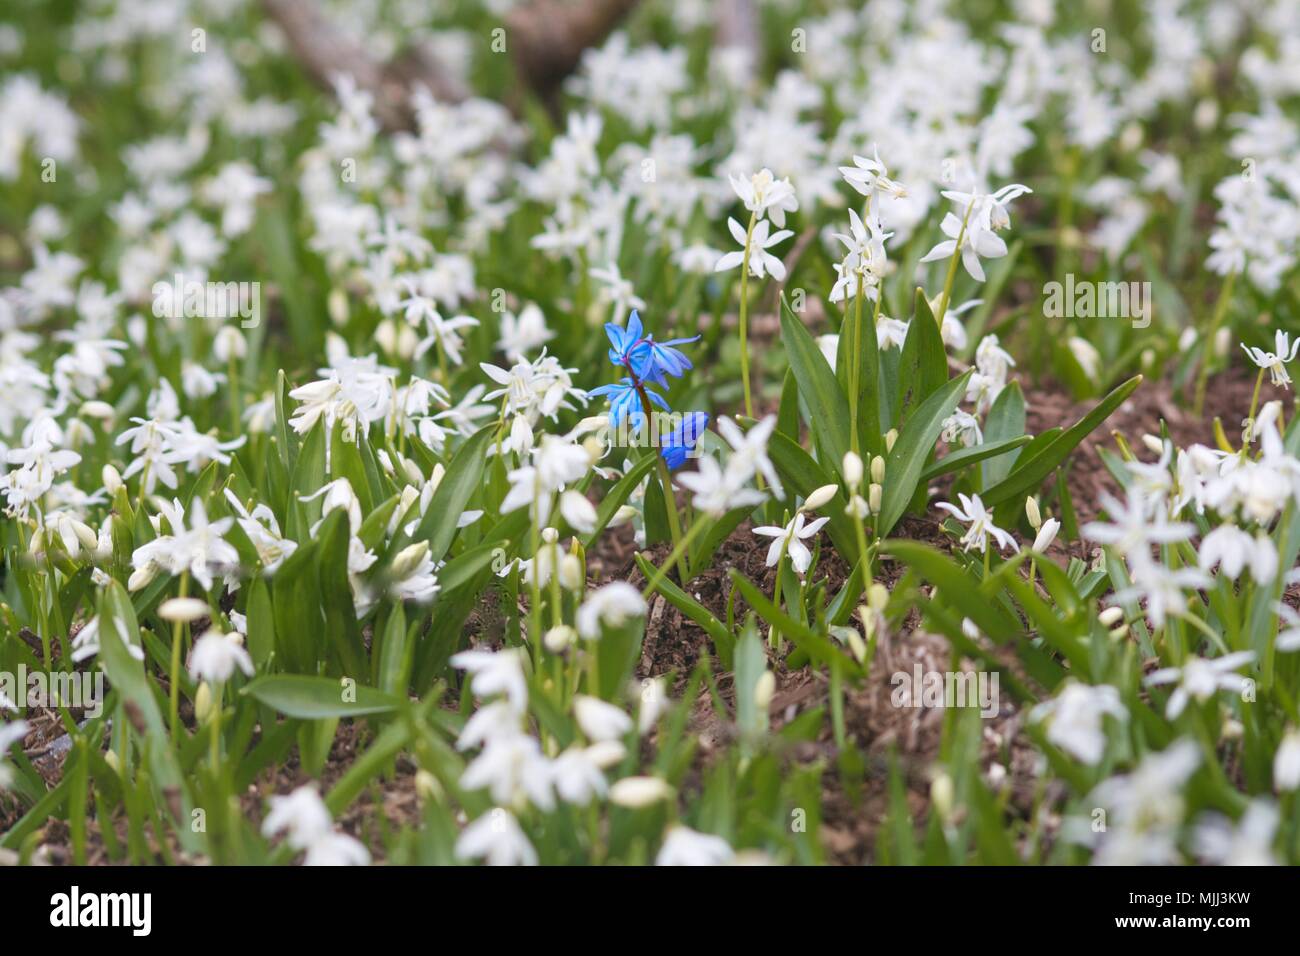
(1111, 616)
(877, 597)
(1046, 534)
(1032, 513)
(112, 479)
(97, 409)
(941, 796)
(891, 436)
(636, 792)
(819, 497)
(229, 342)
(409, 558)
(572, 576)
(141, 577)
(203, 703)
(878, 470)
(337, 305)
(852, 467)
(558, 638)
(182, 609)
(765, 690)
(874, 495)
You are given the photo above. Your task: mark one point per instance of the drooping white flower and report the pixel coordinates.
(1233, 550)
(611, 606)
(1286, 762)
(216, 656)
(496, 838)
(600, 720)
(495, 672)
(686, 847)
(1074, 718)
(1199, 679)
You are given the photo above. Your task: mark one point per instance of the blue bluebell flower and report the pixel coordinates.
(661, 358)
(628, 347)
(624, 399)
(675, 446)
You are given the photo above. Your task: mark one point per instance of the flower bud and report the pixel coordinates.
(852, 469)
(877, 597)
(229, 343)
(874, 495)
(819, 497)
(1154, 444)
(891, 436)
(636, 792)
(765, 690)
(572, 576)
(878, 470)
(337, 305)
(141, 577)
(558, 638)
(97, 409)
(1046, 534)
(1032, 513)
(941, 796)
(409, 558)
(203, 703)
(427, 787)
(112, 479)
(182, 610)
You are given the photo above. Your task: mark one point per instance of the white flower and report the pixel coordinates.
(1249, 843)
(600, 720)
(983, 213)
(577, 776)
(764, 194)
(336, 849)
(1286, 762)
(686, 847)
(870, 177)
(302, 814)
(1162, 590)
(496, 839)
(654, 702)
(194, 545)
(749, 450)
(761, 262)
(972, 511)
(216, 655)
(523, 333)
(1200, 679)
(610, 605)
(1046, 535)
(513, 769)
(1233, 550)
(717, 491)
(1276, 361)
(1074, 718)
(496, 672)
(790, 539)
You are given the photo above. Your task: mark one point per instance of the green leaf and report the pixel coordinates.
(1005, 420)
(827, 407)
(818, 647)
(1032, 469)
(801, 475)
(318, 698)
(956, 588)
(923, 367)
(464, 477)
(618, 495)
(965, 457)
(915, 444)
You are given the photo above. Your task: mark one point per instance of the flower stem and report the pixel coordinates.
(1220, 310)
(1250, 419)
(744, 317)
(855, 367)
(952, 267)
(216, 729)
(175, 689)
(665, 479)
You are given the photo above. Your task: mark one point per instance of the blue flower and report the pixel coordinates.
(628, 347)
(624, 398)
(662, 358)
(674, 447)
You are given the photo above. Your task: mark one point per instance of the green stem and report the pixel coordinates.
(855, 367)
(1254, 404)
(1220, 310)
(952, 267)
(216, 729)
(744, 316)
(175, 675)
